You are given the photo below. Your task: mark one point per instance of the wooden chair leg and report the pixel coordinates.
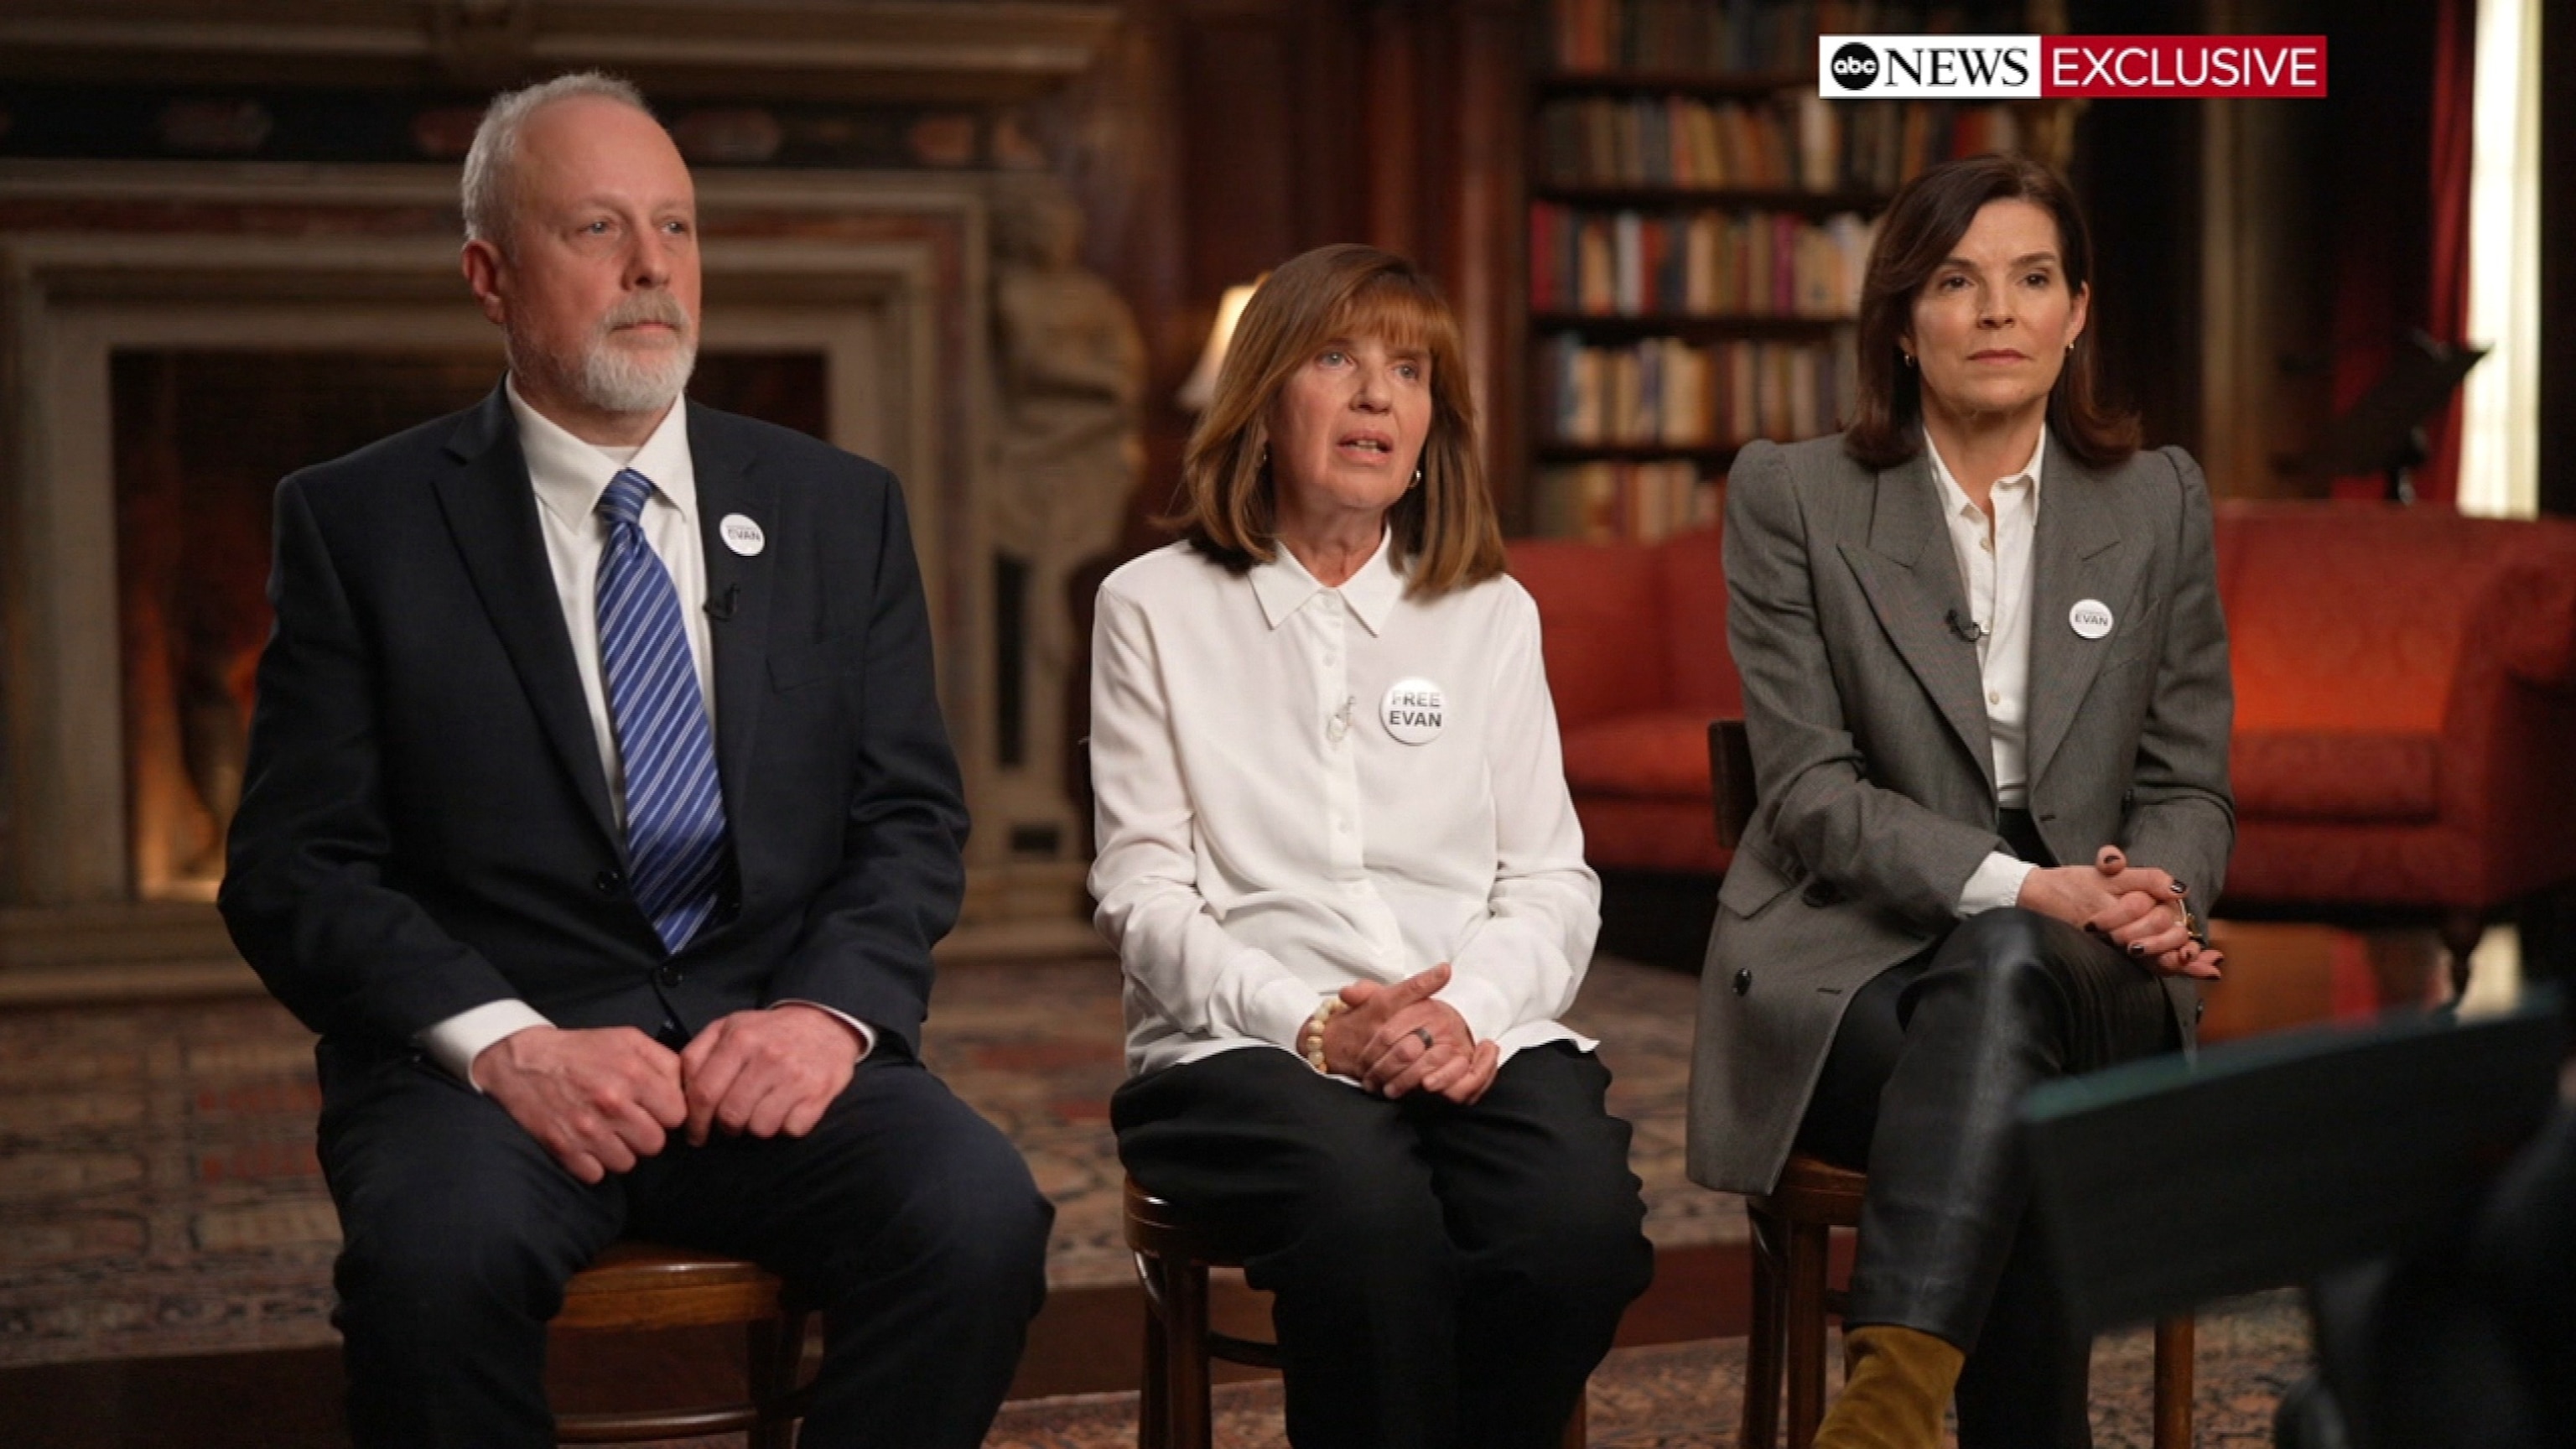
(1188, 1422)
(2461, 932)
(1804, 1326)
(1154, 1391)
(1578, 1431)
(775, 1352)
(1760, 1426)
(2174, 1389)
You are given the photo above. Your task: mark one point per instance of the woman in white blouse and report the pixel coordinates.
(1344, 878)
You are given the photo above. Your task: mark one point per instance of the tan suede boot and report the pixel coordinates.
(1896, 1385)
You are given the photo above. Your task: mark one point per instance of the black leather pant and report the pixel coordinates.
(1922, 1087)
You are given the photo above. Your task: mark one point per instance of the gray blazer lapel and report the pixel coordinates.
(2075, 556)
(739, 591)
(492, 516)
(1913, 587)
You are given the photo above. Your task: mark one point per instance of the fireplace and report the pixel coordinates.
(156, 380)
(201, 436)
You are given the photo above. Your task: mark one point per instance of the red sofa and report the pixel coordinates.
(2405, 744)
(1635, 636)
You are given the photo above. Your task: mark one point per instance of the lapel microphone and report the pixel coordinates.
(721, 609)
(1967, 629)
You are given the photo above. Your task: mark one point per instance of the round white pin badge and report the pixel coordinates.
(741, 535)
(1414, 710)
(2090, 618)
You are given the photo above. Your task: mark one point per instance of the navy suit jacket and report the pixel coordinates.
(425, 826)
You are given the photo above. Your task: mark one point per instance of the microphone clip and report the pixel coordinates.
(1967, 629)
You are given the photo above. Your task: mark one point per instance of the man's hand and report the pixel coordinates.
(1396, 1039)
(599, 1099)
(769, 1073)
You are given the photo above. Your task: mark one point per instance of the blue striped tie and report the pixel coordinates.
(675, 819)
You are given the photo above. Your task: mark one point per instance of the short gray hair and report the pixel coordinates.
(490, 192)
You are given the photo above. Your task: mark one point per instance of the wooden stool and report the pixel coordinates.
(1791, 1231)
(1172, 1260)
(635, 1286)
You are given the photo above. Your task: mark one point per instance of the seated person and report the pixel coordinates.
(1344, 878)
(613, 910)
(1986, 689)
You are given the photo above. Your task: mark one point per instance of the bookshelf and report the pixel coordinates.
(1698, 220)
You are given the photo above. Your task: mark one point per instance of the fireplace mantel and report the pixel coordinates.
(886, 275)
(898, 51)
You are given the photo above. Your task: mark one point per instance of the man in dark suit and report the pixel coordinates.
(600, 817)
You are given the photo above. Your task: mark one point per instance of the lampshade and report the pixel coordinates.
(1200, 389)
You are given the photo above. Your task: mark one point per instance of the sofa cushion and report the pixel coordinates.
(1601, 625)
(1693, 570)
(2382, 776)
(1622, 832)
(1649, 753)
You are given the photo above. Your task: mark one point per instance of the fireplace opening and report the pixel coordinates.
(201, 437)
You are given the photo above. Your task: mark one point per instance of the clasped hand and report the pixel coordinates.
(2138, 909)
(602, 1099)
(1396, 1039)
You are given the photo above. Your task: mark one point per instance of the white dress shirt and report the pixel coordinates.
(1994, 554)
(1266, 833)
(569, 476)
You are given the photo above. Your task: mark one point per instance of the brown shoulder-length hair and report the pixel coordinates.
(1443, 530)
(1922, 225)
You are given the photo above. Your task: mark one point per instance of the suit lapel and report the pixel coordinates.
(492, 515)
(2075, 555)
(739, 593)
(1913, 586)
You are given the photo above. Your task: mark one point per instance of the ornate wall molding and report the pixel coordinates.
(953, 51)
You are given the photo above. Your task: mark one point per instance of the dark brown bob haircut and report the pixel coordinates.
(1922, 226)
(1443, 531)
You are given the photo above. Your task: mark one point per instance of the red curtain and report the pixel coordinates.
(2455, 70)
(2379, 251)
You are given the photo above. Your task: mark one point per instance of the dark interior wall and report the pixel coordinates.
(2330, 248)
(2558, 269)
(1215, 139)
(2136, 168)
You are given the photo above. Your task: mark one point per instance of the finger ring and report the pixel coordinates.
(1424, 1032)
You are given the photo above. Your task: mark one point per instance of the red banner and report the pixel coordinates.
(2136, 66)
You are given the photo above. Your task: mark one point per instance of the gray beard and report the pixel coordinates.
(614, 380)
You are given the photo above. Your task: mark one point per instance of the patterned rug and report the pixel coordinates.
(1688, 1395)
(159, 1194)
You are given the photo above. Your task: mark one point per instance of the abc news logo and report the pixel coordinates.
(2020, 67)
(1947, 65)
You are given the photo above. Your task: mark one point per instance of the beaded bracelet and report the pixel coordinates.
(1310, 1037)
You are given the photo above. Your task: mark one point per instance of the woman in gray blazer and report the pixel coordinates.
(1986, 685)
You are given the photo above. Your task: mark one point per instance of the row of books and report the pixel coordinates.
(1609, 502)
(1706, 263)
(1730, 35)
(1799, 142)
(1664, 392)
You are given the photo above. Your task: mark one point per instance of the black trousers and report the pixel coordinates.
(1921, 1088)
(1445, 1275)
(911, 1220)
